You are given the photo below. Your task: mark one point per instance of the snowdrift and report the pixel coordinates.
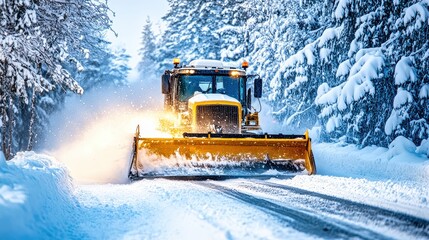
(401, 162)
(36, 199)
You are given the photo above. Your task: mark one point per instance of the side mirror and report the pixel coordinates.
(249, 99)
(257, 88)
(165, 83)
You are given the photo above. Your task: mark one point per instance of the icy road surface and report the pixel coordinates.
(289, 208)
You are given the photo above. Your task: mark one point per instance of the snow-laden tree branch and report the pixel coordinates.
(38, 40)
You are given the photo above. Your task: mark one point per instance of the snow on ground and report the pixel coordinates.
(38, 199)
(393, 178)
(165, 209)
(409, 198)
(373, 163)
(390, 196)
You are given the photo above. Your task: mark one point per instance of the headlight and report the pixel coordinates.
(252, 123)
(184, 118)
(234, 73)
(183, 106)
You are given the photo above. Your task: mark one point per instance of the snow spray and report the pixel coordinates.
(93, 134)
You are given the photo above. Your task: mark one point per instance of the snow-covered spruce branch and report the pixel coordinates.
(37, 38)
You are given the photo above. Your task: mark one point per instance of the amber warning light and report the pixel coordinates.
(176, 62)
(245, 65)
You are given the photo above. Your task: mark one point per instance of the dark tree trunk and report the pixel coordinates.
(31, 131)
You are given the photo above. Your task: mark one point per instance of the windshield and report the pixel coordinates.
(189, 85)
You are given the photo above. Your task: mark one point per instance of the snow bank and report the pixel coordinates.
(424, 147)
(399, 162)
(35, 198)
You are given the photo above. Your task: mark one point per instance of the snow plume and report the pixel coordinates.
(268, 123)
(93, 135)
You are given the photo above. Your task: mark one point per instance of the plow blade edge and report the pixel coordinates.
(234, 147)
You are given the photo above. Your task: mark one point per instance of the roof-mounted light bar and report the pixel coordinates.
(187, 71)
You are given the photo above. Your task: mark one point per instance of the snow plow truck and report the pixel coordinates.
(213, 123)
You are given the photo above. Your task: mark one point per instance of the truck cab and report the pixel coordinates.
(211, 96)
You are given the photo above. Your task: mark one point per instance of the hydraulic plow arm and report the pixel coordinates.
(133, 171)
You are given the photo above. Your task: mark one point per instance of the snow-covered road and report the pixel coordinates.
(373, 193)
(242, 209)
(167, 209)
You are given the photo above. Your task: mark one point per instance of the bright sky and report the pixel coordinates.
(130, 17)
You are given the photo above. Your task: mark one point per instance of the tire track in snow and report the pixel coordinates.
(300, 220)
(400, 221)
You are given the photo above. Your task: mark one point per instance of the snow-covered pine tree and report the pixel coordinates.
(205, 20)
(409, 49)
(176, 39)
(103, 68)
(192, 31)
(387, 37)
(79, 49)
(35, 40)
(24, 55)
(118, 68)
(234, 30)
(352, 108)
(292, 31)
(263, 36)
(148, 66)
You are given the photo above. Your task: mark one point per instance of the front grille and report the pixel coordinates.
(224, 116)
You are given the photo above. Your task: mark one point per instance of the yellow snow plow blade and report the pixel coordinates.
(233, 147)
